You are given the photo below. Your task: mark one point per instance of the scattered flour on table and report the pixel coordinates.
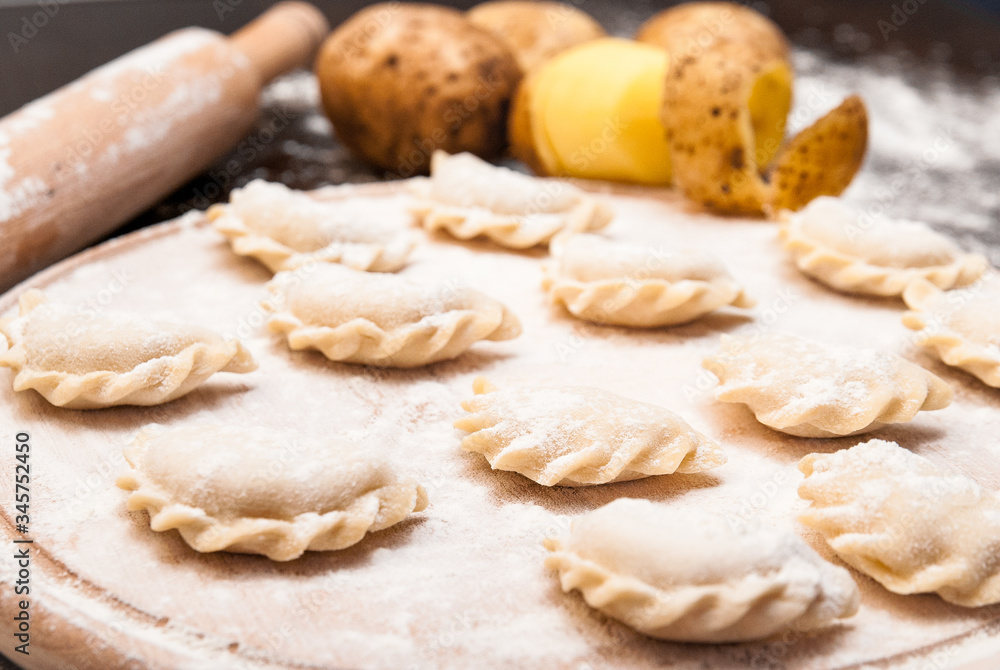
(464, 581)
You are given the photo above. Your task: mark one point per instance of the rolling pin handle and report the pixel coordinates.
(285, 37)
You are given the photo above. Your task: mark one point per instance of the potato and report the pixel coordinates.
(725, 105)
(711, 107)
(706, 107)
(594, 112)
(823, 158)
(692, 28)
(536, 31)
(695, 30)
(725, 119)
(399, 81)
(528, 141)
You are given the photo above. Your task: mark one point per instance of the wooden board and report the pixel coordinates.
(461, 584)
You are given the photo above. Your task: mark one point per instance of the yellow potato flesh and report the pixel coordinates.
(540, 82)
(596, 113)
(769, 103)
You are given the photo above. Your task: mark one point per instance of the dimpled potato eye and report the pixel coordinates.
(593, 112)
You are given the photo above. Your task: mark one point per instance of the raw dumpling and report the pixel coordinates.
(221, 487)
(689, 576)
(285, 229)
(901, 520)
(628, 285)
(961, 327)
(874, 255)
(84, 359)
(813, 389)
(382, 319)
(577, 436)
(468, 197)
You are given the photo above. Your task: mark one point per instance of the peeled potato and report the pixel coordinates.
(535, 31)
(823, 158)
(400, 81)
(594, 112)
(720, 77)
(528, 141)
(691, 28)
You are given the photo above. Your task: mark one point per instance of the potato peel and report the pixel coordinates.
(710, 127)
(726, 95)
(823, 158)
(725, 117)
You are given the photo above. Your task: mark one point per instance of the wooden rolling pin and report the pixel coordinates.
(79, 162)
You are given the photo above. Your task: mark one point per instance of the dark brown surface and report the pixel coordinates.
(75, 37)
(78, 36)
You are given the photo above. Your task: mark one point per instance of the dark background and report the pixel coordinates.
(79, 36)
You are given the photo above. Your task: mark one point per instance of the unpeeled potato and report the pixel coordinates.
(593, 112)
(726, 99)
(705, 107)
(691, 28)
(535, 31)
(400, 81)
(725, 119)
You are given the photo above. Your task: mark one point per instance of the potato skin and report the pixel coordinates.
(708, 123)
(823, 158)
(401, 80)
(536, 31)
(691, 28)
